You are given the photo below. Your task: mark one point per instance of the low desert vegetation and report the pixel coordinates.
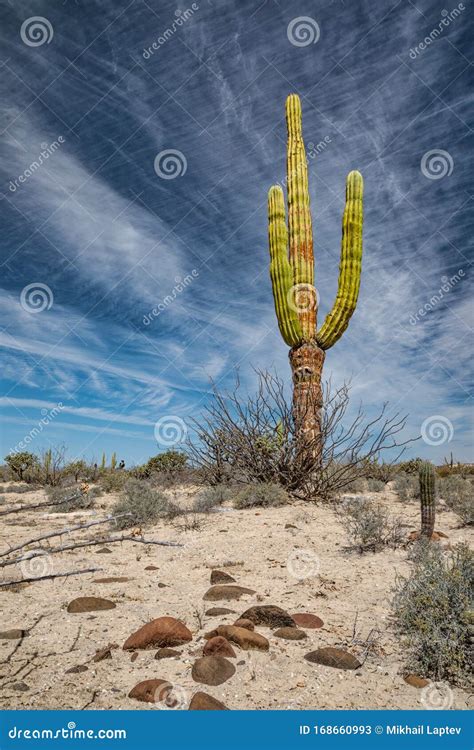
(458, 494)
(264, 495)
(210, 498)
(434, 612)
(369, 525)
(143, 505)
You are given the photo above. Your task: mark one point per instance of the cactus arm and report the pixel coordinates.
(281, 272)
(299, 220)
(350, 266)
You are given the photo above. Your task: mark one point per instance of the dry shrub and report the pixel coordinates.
(212, 497)
(369, 524)
(457, 493)
(265, 495)
(406, 487)
(433, 611)
(143, 504)
(113, 480)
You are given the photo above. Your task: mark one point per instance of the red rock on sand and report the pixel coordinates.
(164, 631)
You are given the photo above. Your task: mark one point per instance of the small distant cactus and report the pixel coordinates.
(102, 463)
(113, 461)
(426, 475)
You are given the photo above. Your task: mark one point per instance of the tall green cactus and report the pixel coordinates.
(426, 475)
(292, 276)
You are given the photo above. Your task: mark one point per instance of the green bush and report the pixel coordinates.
(265, 495)
(211, 497)
(168, 461)
(113, 481)
(144, 504)
(22, 465)
(433, 611)
(369, 525)
(76, 500)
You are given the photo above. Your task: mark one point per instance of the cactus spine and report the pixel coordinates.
(292, 276)
(426, 476)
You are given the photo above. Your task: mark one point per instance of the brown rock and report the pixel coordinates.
(104, 653)
(290, 634)
(151, 691)
(217, 611)
(77, 669)
(290, 526)
(245, 639)
(89, 604)
(104, 551)
(134, 656)
(220, 646)
(205, 702)
(164, 631)
(215, 593)
(415, 681)
(333, 657)
(151, 567)
(12, 635)
(244, 623)
(212, 670)
(219, 576)
(166, 653)
(112, 579)
(306, 620)
(269, 615)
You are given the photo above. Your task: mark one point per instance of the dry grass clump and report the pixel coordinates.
(143, 504)
(457, 492)
(264, 495)
(212, 497)
(369, 524)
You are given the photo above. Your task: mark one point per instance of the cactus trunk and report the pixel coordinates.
(427, 499)
(306, 366)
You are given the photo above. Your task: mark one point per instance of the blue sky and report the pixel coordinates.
(111, 237)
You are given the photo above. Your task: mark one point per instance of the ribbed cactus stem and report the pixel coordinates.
(281, 272)
(426, 476)
(350, 265)
(299, 220)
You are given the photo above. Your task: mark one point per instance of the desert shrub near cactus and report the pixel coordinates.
(265, 495)
(168, 461)
(143, 504)
(211, 497)
(75, 498)
(406, 487)
(433, 610)
(458, 494)
(113, 481)
(369, 525)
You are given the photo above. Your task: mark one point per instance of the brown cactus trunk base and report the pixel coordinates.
(427, 519)
(306, 363)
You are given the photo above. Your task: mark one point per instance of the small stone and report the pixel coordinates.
(245, 639)
(333, 657)
(134, 656)
(22, 687)
(12, 635)
(164, 631)
(220, 646)
(104, 551)
(269, 615)
(242, 622)
(90, 604)
(167, 653)
(151, 691)
(104, 653)
(219, 576)
(218, 611)
(290, 526)
(215, 593)
(77, 669)
(205, 702)
(290, 634)
(112, 579)
(306, 620)
(415, 681)
(151, 567)
(212, 670)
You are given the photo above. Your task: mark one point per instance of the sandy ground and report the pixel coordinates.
(302, 569)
